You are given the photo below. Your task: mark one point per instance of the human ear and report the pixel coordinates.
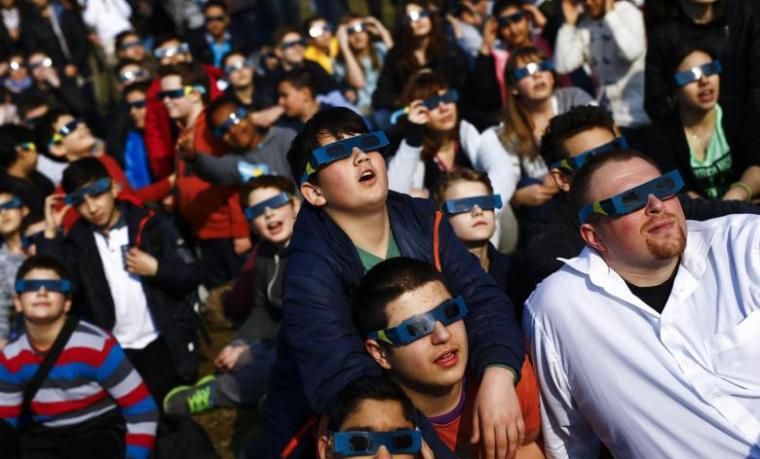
(592, 238)
(17, 303)
(560, 179)
(312, 194)
(67, 303)
(324, 447)
(378, 353)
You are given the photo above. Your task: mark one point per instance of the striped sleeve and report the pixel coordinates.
(11, 392)
(119, 378)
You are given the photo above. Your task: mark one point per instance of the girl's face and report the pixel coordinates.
(10, 218)
(536, 87)
(444, 116)
(703, 93)
(418, 19)
(358, 40)
(514, 27)
(476, 226)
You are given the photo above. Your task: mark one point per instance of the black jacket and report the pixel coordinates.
(555, 233)
(37, 34)
(167, 293)
(200, 48)
(32, 192)
(737, 42)
(668, 146)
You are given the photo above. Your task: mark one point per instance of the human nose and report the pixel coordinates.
(476, 210)
(90, 203)
(440, 333)
(383, 453)
(359, 155)
(654, 205)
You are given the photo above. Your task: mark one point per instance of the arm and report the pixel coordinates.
(155, 191)
(502, 167)
(122, 382)
(626, 23)
(386, 89)
(158, 139)
(656, 86)
(570, 47)
(751, 180)
(354, 72)
(403, 165)
(220, 170)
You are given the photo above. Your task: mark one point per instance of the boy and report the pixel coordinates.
(271, 207)
(132, 277)
(348, 223)
(12, 253)
(18, 167)
(372, 408)
(415, 331)
(298, 98)
(91, 394)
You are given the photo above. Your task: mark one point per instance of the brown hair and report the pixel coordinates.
(424, 85)
(190, 74)
(279, 182)
(405, 42)
(373, 57)
(463, 175)
(517, 133)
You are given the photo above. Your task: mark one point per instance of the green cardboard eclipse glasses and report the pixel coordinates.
(576, 162)
(274, 202)
(695, 73)
(34, 285)
(363, 443)
(421, 325)
(96, 188)
(663, 187)
(458, 206)
(324, 155)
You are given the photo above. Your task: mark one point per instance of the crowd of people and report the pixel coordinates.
(510, 228)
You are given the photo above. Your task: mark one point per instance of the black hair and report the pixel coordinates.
(119, 39)
(579, 189)
(11, 135)
(217, 3)
(221, 101)
(568, 124)
(139, 86)
(501, 5)
(81, 172)
(384, 283)
(335, 121)
(29, 100)
(42, 262)
(379, 388)
(167, 38)
(190, 74)
(299, 78)
(44, 128)
(280, 33)
(233, 52)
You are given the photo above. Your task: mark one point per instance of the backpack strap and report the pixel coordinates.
(437, 240)
(25, 418)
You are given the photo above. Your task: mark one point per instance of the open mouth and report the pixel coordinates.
(367, 176)
(448, 359)
(274, 227)
(706, 95)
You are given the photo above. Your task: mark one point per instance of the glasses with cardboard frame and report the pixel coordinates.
(364, 443)
(486, 202)
(322, 156)
(697, 72)
(50, 285)
(530, 69)
(421, 325)
(274, 202)
(94, 189)
(576, 162)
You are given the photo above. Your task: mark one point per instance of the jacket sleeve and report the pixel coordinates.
(158, 140)
(547, 239)
(177, 273)
(155, 191)
(627, 26)
(493, 331)
(503, 167)
(656, 87)
(570, 47)
(402, 167)
(317, 325)
(217, 170)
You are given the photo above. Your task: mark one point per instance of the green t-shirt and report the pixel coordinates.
(715, 171)
(370, 260)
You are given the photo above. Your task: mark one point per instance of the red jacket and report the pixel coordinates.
(159, 138)
(213, 211)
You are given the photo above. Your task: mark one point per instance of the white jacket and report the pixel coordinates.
(684, 383)
(615, 48)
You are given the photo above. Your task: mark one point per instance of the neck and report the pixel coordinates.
(42, 336)
(13, 243)
(363, 229)
(73, 156)
(218, 38)
(699, 13)
(112, 222)
(692, 118)
(18, 170)
(256, 139)
(309, 110)
(649, 276)
(244, 94)
(540, 107)
(192, 117)
(435, 402)
(480, 250)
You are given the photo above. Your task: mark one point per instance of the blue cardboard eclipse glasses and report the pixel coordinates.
(322, 156)
(33, 285)
(180, 92)
(14, 203)
(664, 187)
(96, 188)
(504, 21)
(576, 162)
(360, 443)
(421, 325)
(458, 206)
(161, 53)
(695, 73)
(273, 203)
(449, 97)
(245, 63)
(64, 131)
(532, 68)
(414, 16)
(233, 119)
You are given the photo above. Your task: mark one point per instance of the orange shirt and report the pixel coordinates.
(455, 428)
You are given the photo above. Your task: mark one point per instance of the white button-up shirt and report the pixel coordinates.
(681, 384)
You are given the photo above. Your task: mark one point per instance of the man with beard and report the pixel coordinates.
(655, 352)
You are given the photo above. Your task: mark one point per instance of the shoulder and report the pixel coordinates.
(570, 97)
(628, 9)
(738, 230)
(87, 335)
(549, 301)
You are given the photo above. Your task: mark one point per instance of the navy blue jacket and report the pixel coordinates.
(319, 349)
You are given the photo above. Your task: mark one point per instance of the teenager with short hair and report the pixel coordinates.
(348, 223)
(132, 276)
(297, 96)
(92, 403)
(414, 330)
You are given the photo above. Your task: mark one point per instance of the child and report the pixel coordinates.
(349, 223)
(132, 277)
(18, 167)
(12, 253)
(91, 394)
(271, 207)
(371, 409)
(416, 332)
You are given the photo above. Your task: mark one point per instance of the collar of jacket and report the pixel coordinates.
(135, 217)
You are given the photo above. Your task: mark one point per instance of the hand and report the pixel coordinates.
(241, 245)
(186, 144)
(736, 194)
(489, 36)
(532, 195)
(418, 113)
(550, 183)
(571, 11)
(497, 421)
(455, 27)
(426, 452)
(228, 358)
(53, 217)
(3, 342)
(342, 35)
(70, 70)
(539, 20)
(141, 263)
(373, 25)
(350, 95)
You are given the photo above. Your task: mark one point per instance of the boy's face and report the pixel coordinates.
(435, 361)
(131, 48)
(76, 144)
(293, 99)
(100, 210)
(10, 218)
(134, 99)
(371, 416)
(181, 107)
(242, 75)
(291, 49)
(41, 306)
(353, 185)
(275, 224)
(476, 226)
(577, 144)
(239, 135)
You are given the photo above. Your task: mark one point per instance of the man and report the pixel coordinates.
(669, 309)
(210, 43)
